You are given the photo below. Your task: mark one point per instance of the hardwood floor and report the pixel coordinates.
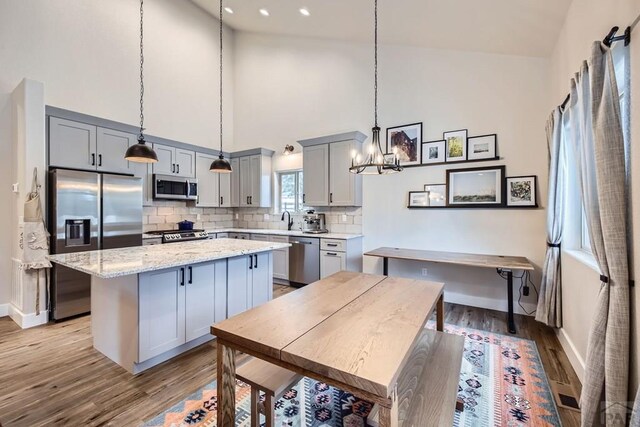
(52, 376)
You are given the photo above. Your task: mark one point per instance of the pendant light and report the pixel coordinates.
(141, 152)
(374, 163)
(220, 165)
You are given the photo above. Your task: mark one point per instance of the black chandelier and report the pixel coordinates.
(374, 162)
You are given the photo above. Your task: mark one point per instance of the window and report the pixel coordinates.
(290, 185)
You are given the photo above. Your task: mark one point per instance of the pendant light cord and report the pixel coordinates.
(141, 136)
(221, 77)
(375, 63)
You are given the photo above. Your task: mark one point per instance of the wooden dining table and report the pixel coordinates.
(353, 331)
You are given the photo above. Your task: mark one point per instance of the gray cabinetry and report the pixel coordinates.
(315, 161)
(254, 178)
(174, 161)
(208, 182)
(230, 186)
(72, 144)
(111, 148)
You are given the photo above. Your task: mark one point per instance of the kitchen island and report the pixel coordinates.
(151, 303)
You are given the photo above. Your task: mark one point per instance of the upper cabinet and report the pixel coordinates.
(254, 178)
(230, 186)
(326, 162)
(112, 145)
(174, 161)
(208, 182)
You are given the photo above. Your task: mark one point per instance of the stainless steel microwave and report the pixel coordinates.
(174, 188)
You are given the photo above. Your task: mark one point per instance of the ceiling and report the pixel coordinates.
(516, 27)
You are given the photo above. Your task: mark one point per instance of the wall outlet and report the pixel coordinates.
(344, 218)
(425, 272)
(267, 217)
(198, 217)
(15, 187)
(237, 216)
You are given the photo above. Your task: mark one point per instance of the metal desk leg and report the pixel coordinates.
(511, 323)
(385, 266)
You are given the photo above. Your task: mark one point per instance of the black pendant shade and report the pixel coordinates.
(141, 153)
(220, 165)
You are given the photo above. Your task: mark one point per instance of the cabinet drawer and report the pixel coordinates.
(333, 245)
(279, 239)
(332, 262)
(260, 237)
(152, 241)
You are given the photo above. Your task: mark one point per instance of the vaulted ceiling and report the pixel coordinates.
(516, 27)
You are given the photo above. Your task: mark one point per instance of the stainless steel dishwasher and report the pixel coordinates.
(304, 260)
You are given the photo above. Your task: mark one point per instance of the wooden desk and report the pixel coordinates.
(354, 331)
(502, 263)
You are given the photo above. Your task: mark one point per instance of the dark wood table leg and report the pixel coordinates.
(440, 314)
(385, 266)
(511, 323)
(226, 372)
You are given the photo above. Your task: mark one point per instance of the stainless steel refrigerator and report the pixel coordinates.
(88, 211)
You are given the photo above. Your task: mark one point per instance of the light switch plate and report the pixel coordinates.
(344, 218)
(15, 187)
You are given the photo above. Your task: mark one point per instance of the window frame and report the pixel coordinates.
(299, 177)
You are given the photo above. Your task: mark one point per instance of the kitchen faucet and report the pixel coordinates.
(290, 222)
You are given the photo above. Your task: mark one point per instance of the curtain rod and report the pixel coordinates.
(608, 41)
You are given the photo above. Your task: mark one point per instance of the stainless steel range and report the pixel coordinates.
(171, 236)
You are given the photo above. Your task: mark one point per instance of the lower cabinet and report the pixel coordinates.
(179, 305)
(250, 282)
(280, 259)
(332, 262)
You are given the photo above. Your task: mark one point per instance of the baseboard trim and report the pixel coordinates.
(577, 362)
(488, 303)
(4, 310)
(26, 321)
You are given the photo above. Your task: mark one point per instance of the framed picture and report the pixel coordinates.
(408, 141)
(418, 198)
(456, 141)
(521, 191)
(437, 194)
(482, 147)
(388, 158)
(476, 187)
(433, 152)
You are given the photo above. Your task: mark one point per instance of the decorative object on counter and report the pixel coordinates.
(521, 191)
(456, 145)
(406, 142)
(374, 163)
(482, 147)
(288, 149)
(185, 225)
(476, 187)
(418, 198)
(437, 194)
(220, 165)
(141, 152)
(433, 152)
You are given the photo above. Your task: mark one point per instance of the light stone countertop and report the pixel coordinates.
(110, 263)
(276, 232)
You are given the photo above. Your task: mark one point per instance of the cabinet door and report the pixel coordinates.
(245, 181)
(72, 144)
(185, 161)
(224, 186)
(208, 182)
(238, 285)
(235, 183)
(220, 290)
(166, 159)
(343, 184)
(315, 162)
(112, 146)
(200, 299)
(262, 280)
(332, 262)
(161, 312)
(256, 181)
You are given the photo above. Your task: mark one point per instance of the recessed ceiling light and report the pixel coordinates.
(264, 12)
(228, 10)
(304, 11)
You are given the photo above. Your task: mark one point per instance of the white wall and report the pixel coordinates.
(87, 55)
(292, 88)
(587, 21)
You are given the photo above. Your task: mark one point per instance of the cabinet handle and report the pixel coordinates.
(247, 199)
(256, 263)
(181, 276)
(250, 262)
(190, 275)
(250, 200)
(93, 159)
(333, 245)
(173, 168)
(99, 159)
(178, 168)
(221, 200)
(332, 253)
(304, 197)
(330, 197)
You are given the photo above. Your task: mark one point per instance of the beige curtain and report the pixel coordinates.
(598, 141)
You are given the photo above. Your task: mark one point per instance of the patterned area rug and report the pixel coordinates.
(502, 383)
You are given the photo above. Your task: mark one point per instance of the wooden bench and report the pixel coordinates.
(270, 379)
(427, 389)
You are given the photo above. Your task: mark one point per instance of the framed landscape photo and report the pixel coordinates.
(437, 194)
(456, 145)
(521, 191)
(433, 152)
(418, 199)
(408, 140)
(476, 187)
(482, 147)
